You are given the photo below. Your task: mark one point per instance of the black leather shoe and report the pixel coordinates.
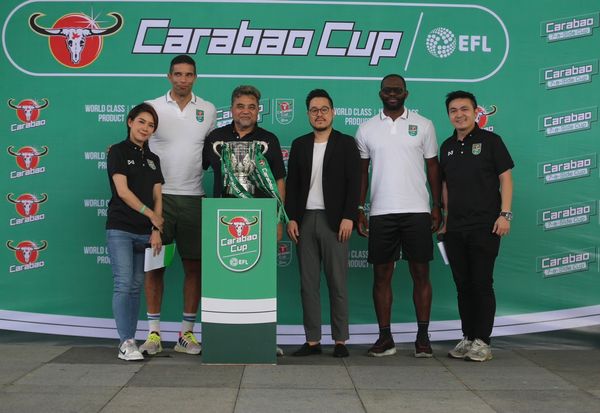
(340, 350)
(308, 350)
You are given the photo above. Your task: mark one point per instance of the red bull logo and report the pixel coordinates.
(239, 226)
(482, 116)
(28, 112)
(27, 253)
(75, 39)
(27, 158)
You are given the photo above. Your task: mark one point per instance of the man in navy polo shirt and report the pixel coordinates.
(477, 194)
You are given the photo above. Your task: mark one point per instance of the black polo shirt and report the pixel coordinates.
(471, 168)
(227, 133)
(142, 169)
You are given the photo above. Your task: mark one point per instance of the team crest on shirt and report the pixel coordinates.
(412, 130)
(199, 115)
(476, 149)
(151, 164)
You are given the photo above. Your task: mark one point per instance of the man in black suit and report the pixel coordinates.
(322, 203)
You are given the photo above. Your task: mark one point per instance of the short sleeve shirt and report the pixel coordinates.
(179, 140)
(227, 133)
(142, 169)
(471, 168)
(397, 150)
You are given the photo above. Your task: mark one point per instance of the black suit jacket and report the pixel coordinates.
(341, 178)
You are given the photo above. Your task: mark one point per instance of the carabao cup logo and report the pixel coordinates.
(26, 204)
(27, 157)
(26, 252)
(482, 115)
(28, 110)
(75, 39)
(440, 42)
(238, 237)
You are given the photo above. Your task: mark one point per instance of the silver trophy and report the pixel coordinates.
(242, 161)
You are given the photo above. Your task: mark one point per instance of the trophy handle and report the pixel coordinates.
(215, 147)
(265, 146)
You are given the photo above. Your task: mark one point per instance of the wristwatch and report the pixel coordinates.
(507, 214)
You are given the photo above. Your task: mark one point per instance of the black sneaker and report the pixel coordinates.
(384, 346)
(340, 350)
(307, 350)
(423, 349)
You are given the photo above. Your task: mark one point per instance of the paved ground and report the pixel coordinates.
(549, 372)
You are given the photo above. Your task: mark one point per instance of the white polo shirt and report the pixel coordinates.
(179, 140)
(397, 150)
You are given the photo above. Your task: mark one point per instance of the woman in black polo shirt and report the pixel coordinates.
(134, 220)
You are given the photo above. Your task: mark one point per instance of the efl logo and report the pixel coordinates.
(27, 253)
(441, 43)
(27, 159)
(239, 244)
(28, 112)
(75, 39)
(27, 205)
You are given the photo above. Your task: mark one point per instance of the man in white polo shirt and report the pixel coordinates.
(185, 120)
(401, 145)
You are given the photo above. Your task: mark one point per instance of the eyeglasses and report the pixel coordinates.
(315, 111)
(388, 90)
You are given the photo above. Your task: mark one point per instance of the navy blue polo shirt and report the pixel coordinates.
(471, 168)
(142, 169)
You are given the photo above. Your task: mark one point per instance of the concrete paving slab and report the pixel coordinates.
(429, 401)
(32, 353)
(81, 374)
(14, 370)
(172, 357)
(404, 378)
(540, 401)
(325, 358)
(476, 377)
(595, 393)
(503, 358)
(89, 355)
(296, 377)
(53, 399)
(584, 378)
(298, 401)
(173, 399)
(575, 360)
(156, 375)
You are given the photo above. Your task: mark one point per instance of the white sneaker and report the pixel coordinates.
(152, 345)
(479, 351)
(129, 351)
(188, 344)
(461, 349)
(279, 351)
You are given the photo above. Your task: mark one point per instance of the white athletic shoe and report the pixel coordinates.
(461, 349)
(479, 351)
(128, 351)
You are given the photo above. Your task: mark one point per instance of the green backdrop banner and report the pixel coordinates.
(71, 70)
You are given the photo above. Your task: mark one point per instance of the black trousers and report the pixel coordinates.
(472, 255)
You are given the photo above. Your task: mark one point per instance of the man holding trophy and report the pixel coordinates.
(246, 159)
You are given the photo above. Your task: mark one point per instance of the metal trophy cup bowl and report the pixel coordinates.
(242, 159)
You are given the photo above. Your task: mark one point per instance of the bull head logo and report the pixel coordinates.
(481, 115)
(79, 33)
(239, 226)
(28, 109)
(26, 252)
(27, 156)
(26, 204)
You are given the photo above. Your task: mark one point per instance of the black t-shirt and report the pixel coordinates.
(227, 133)
(142, 169)
(471, 168)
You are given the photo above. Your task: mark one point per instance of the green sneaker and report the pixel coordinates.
(188, 344)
